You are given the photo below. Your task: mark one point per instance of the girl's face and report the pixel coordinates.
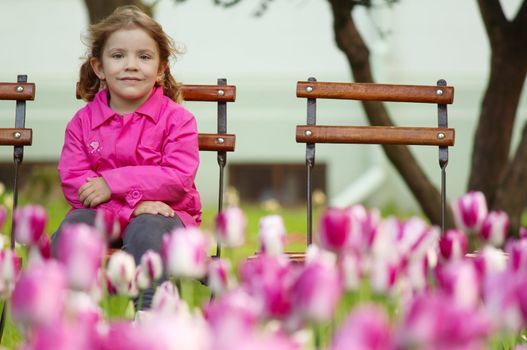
(130, 66)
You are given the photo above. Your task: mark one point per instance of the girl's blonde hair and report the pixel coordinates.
(126, 17)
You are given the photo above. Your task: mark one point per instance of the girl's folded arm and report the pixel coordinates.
(170, 181)
(74, 166)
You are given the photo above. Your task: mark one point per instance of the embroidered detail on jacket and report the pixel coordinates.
(94, 146)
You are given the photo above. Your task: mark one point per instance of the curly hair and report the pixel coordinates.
(123, 18)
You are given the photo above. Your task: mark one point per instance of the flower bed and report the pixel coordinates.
(368, 283)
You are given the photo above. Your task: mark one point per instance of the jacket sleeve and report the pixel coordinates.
(172, 179)
(74, 164)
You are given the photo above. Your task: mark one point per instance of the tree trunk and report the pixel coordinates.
(492, 173)
(99, 9)
(512, 192)
(349, 40)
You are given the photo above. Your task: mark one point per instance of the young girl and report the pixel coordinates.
(132, 150)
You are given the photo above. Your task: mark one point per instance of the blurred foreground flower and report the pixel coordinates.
(10, 266)
(40, 294)
(453, 245)
(469, 211)
(218, 276)
(230, 227)
(121, 273)
(81, 249)
(495, 228)
(108, 225)
(149, 270)
(185, 253)
(272, 235)
(366, 328)
(30, 222)
(334, 229)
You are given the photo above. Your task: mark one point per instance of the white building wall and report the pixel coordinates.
(424, 40)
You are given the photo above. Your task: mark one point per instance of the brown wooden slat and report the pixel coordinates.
(209, 93)
(375, 135)
(212, 142)
(8, 91)
(199, 93)
(376, 92)
(7, 137)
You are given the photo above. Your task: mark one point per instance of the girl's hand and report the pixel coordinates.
(94, 192)
(154, 207)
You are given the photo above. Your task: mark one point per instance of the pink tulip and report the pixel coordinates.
(334, 229)
(522, 232)
(366, 328)
(39, 295)
(495, 228)
(272, 235)
(230, 227)
(316, 292)
(351, 265)
(65, 334)
(434, 321)
(152, 264)
(29, 222)
(121, 272)
(166, 299)
(453, 245)
(218, 276)
(3, 216)
(316, 255)
(81, 250)
(417, 239)
(159, 333)
(269, 280)
(469, 211)
(185, 253)
(40, 251)
(10, 266)
(141, 279)
(460, 280)
(44, 247)
(517, 251)
(236, 309)
(149, 270)
(489, 261)
(363, 227)
(108, 224)
(386, 245)
(81, 307)
(383, 275)
(521, 295)
(504, 300)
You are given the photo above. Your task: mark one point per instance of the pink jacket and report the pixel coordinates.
(151, 154)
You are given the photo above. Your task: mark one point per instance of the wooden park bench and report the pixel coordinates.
(312, 133)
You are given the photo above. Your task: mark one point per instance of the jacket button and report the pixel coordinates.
(135, 194)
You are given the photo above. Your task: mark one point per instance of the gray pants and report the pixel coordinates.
(144, 232)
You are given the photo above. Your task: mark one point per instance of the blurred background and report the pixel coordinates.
(411, 42)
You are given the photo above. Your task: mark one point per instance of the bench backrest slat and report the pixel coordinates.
(376, 92)
(17, 91)
(375, 135)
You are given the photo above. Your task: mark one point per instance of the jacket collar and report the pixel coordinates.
(103, 112)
